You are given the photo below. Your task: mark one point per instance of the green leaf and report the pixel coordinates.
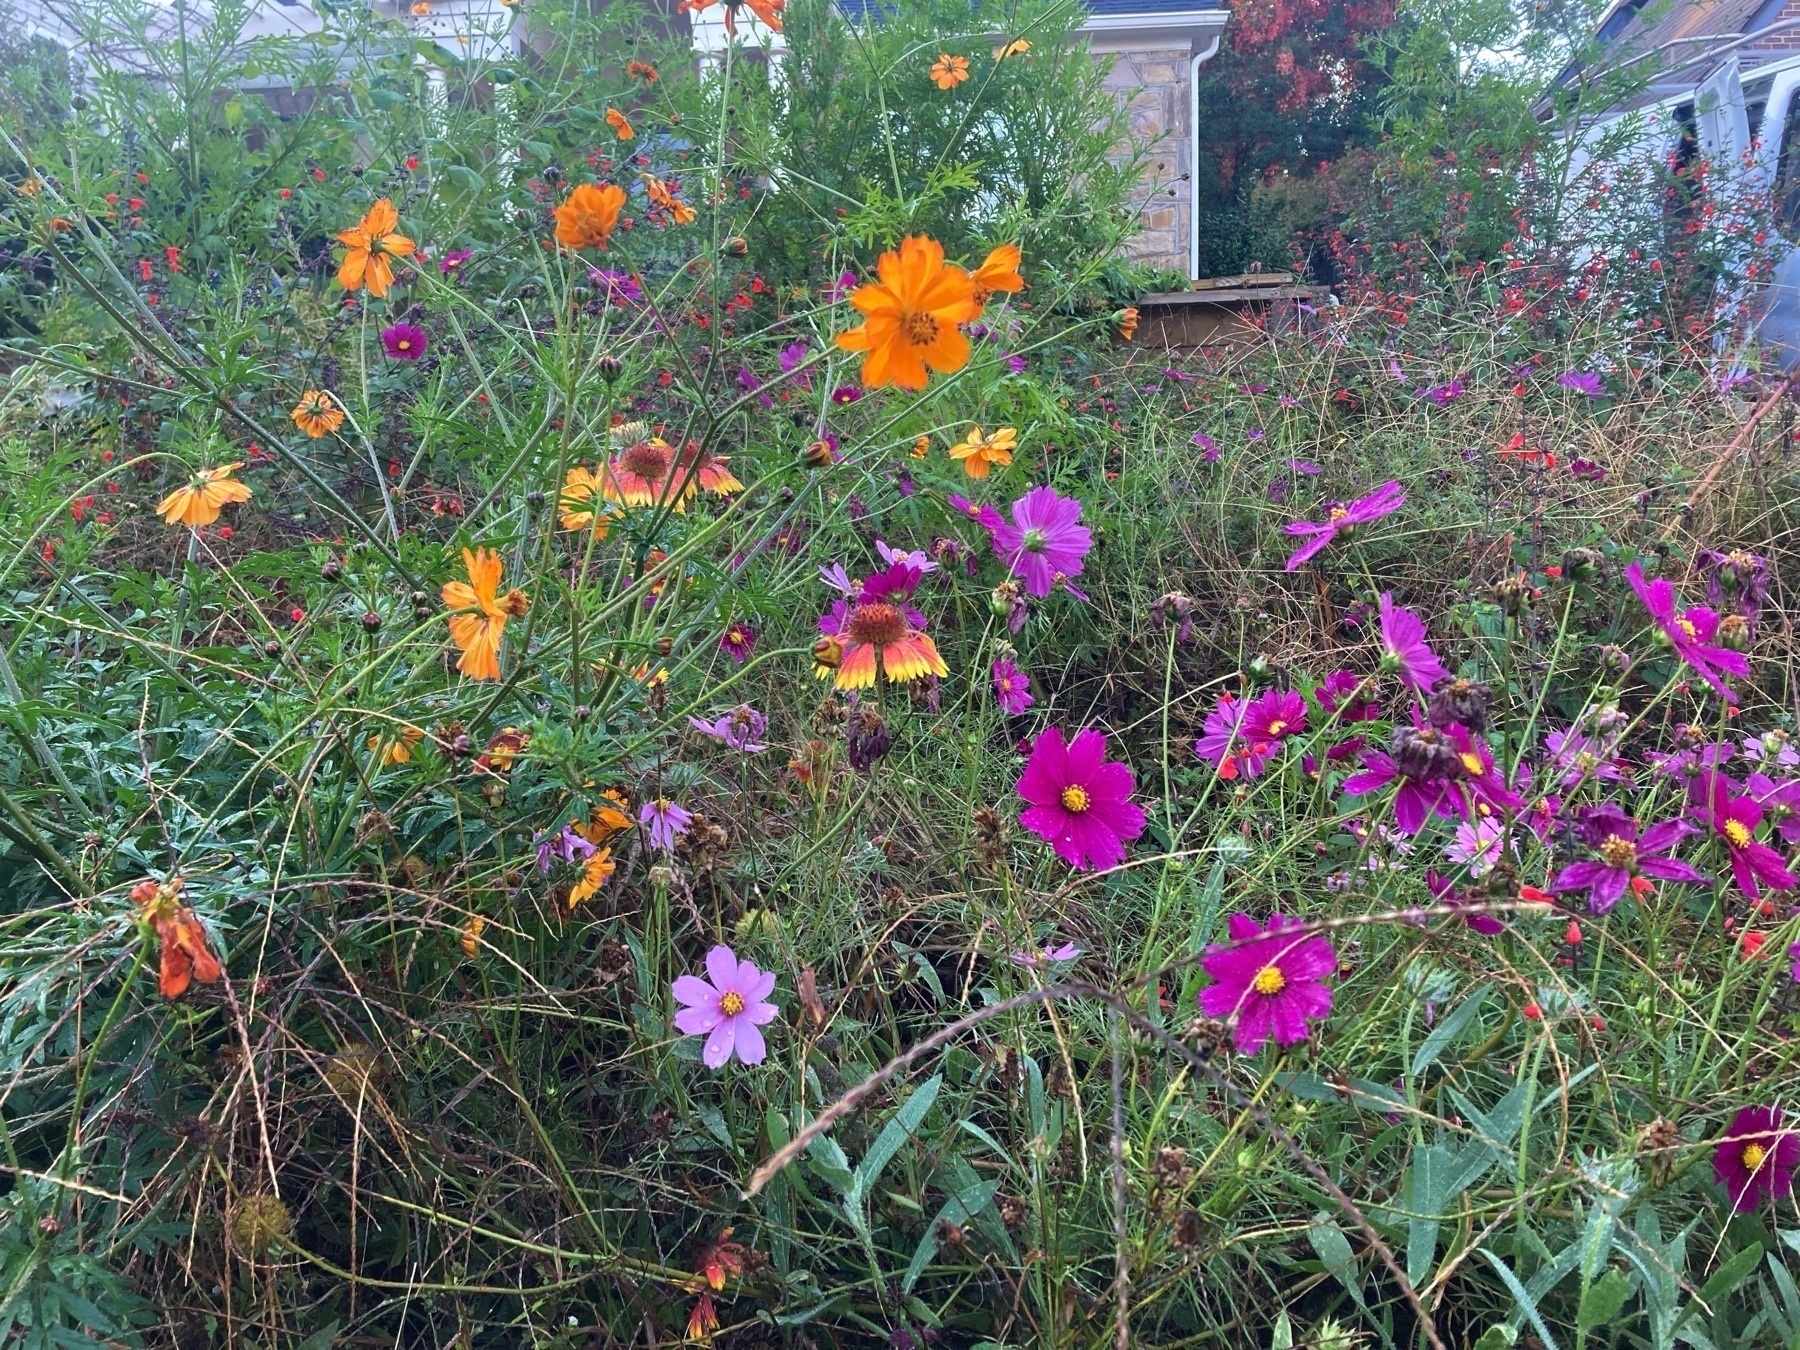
(958, 1209)
(1603, 1299)
(1448, 1030)
(1527, 1304)
(1282, 1338)
(1728, 1276)
(1497, 1337)
(897, 1131)
(1333, 1248)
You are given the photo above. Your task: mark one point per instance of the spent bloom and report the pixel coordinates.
(186, 955)
(1756, 1158)
(1078, 801)
(1268, 981)
(666, 822)
(1627, 858)
(1012, 691)
(1736, 581)
(726, 1008)
(1690, 632)
(1404, 649)
(1341, 519)
(1045, 541)
(742, 729)
(1241, 735)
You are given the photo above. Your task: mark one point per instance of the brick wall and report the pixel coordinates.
(1153, 88)
(1775, 45)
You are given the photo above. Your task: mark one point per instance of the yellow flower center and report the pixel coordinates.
(1277, 727)
(1337, 513)
(1754, 1155)
(1737, 832)
(1686, 628)
(1269, 981)
(731, 1003)
(921, 328)
(404, 344)
(1472, 762)
(1075, 798)
(1618, 852)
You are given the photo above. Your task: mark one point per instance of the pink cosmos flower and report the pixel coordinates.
(742, 729)
(1780, 803)
(1012, 691)
(1756, 1158)
(1690, 632)
(1046, 541)
(1268, 982)
(1342, 518)
(1343, 697)
(1735, 820)
(1404, 649)
(665, 821)
(1626, 857)
(982, 514)
(404, 341)
(1077, 801)
(1478, 845)
(1576, 757)
(738, 641)
(1068, 951)
(1583, 382)
(1444, 891)
(728, 1010)
(1242, 736)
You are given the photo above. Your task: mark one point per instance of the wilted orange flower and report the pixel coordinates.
(980, 453)
(999, 271)
(503, 748)
(396, 749)
(720, 1258)
(911, 316)
(594, 874)
(609, 816)
(642, 70)
(471, 934)
(1128, 322)
(703, 1321)
(575, 507)
(200, 500)
(587, 218)
(186, 956)
(1017, 47)
(618, 122)
(665, 195)
(769, 11)
(317, 414)
(477, 635)
(949, 71)
(370, 243)
(921, 447)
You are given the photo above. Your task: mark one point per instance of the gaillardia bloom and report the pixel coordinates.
(980, 453)
(881, 626)
(911, 316)
(1341, 519)
(1756, 1158)
(949, 71)
(1268, 981)
(587, 218)
(317, 414)
(199, 501)
(643, 472)
(477, 634)
(727, 1008)
(186, 956)
(1078, 801)
(370, 243)
(1690, 632)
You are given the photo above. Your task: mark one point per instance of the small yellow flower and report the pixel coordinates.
(395, 749)
(1017, 47)
(575, 508)
(316, 414)
(199, 502)
(980, 453)
(594, 875)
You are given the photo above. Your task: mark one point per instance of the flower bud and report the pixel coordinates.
(662, 876)
(332, 570)
(610, 367)
(1512, 594)
(736, 247)
(371, 621)
(818, 455)
(1583, 564)
(1734, 633)
(1615, 660)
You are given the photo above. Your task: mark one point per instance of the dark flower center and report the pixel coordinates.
(646, 460)
(921, 329)
(877, 624)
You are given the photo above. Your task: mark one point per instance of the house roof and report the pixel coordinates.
(858, 10)
(1685, 30)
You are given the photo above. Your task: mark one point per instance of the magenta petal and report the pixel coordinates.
(1046, 821)
(1253, 1027)
(1086, 752)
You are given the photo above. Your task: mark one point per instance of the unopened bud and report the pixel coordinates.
(371, 621)
(736, 247)
(610, 367)
(818, 455)
(1734, 633)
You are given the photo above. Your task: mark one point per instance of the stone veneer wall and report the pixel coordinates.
(1153, 88)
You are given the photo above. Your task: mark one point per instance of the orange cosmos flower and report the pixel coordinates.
(1017, 47)
(769, 11)
(471, 934)
(477, 634)
(911, 316)
(980, 453)
(664, 195)
(999, 271)
(575, 507)
(396, 749)
(949, 71)
(877, 631)
(370, 243)
(587, 218)
(921, 447)
(610, 816)
(642, 70)
(617, 121)
(316, 414)
(205, 494)
(186, 955)
(594, 874)
(1128, 322)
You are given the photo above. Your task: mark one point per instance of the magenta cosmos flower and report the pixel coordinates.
(1012, 691)
(742, 729)
(1046, 540)
(1756, 1158)
(728, 1010)
(1343, 518)
(665, 821)
(1268, 981)
(1241, 736)
(1077, 801)
(1735, 820)
(1626, 859)
(1689, 632)
(738, 641)
(1403, 647)
(404, 341)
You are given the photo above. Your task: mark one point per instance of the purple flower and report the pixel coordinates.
(1046, 541)
(1048, 954)
(1012, 691)
(1587, 469)
(838, 579)
(791, 357)
(1583, 382)
(1794, 957)
(1735, 580)
(728, 1010)
(451, 264)
(404, 341)
(742, 729)
(1342, 695)
(615, 287)
(983, 515)
(1625, 857)
(1268, 982)
(1341, 518)
(1772, 748)
(1442, 394)
(1257, 434)
(841, 288)
(666, 822)
(1404, 649)
(1078, 801)
(1305, 466)
(1577, 758)
(846, 393)
(1241, 736)
(917, 559)
(1690, 633)
(1444, 891)
(1015, 363)
(1209, 448)
(738, 641)
(1756, 1158)
(1780, 803)
(565, 844)
(1734, 820)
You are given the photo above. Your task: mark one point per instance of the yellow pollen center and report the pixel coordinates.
(1754, 1155)
(1472, 762)
(1075, 798)
(404, 344)
(1618, 852)
(1276, 728)
(1687, 627)
(921, 329)
(1269, 981)
(731, 1003)
(1737, 832)
(1338, 513)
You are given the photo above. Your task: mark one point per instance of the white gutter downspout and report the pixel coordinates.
(1203, 55)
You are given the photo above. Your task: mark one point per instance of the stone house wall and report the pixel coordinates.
(1152, 86)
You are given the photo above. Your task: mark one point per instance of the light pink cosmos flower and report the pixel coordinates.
(1404, 649)
(728, 1009)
